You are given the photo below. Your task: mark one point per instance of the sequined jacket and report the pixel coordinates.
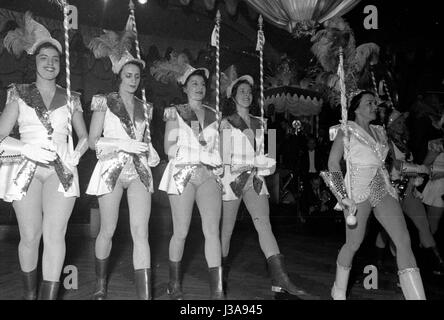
(366, 157)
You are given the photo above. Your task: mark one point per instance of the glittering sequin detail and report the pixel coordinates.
(241, 182)
(335, 182)
(116, 106)
(12, 95)
(378, 189)
(25, 175)
(408, 270)
(31, 96)
(111, 175)
(379, 147)
(257, 184)
(182, 177)
(169, 114)
(98, 103)
(196, 175)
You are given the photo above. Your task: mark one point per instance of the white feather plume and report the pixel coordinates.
(23, 37)
(168, 71)
(112, 44)
(366, 53)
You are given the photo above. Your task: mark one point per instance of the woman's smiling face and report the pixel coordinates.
(244, 96)
(48, 63)
(195, 88)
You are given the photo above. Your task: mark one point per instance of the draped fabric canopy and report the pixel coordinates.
(292, 15)
(293, 100)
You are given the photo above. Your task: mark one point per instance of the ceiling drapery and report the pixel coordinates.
(301, 16)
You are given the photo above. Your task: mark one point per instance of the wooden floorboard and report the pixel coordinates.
(310, 255)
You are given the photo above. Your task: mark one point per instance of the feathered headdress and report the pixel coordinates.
(366, 53)
(168, 71)
(116, 47)
(326, 44)
(28, 36)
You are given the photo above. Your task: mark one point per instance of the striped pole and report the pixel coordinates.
(145, 104)
(260, 47)
(218, 20)
(387, 92)
(65, 5)
(375, 85)
(350, 219)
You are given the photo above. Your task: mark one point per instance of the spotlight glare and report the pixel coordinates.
(143, 1)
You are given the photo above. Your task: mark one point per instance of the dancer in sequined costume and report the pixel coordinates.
(38, 173)
(192, 145)
(370, 190)
(243, 179)
(119, 133)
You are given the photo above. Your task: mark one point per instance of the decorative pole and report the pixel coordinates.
(215, 40)
(215, 43)
(65, 6)
(387, 91)
(132, 17)
(350, 219)
(375, 85)
(260, 48)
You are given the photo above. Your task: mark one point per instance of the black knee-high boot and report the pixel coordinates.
(49, 290)
(101, 290)
(143, 283)
(225, 271)
(280, 282)
(216, 290)
(30, 285)
(175, 284)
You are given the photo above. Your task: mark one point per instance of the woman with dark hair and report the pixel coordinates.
(38, 173)
(119, 132)
(370, 190)
(245, 167)
(407, 175)
(192, 145)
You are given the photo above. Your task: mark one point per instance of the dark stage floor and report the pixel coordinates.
(310, 251)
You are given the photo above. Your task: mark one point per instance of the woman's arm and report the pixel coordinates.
(170, 138)
(96, 128)
(225, 143)
(79, 126)
(8, 119)
(336, 153)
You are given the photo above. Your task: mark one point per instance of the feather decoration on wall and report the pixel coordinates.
(326, 43)
(25, 36)
(168, 71)
(112, 44)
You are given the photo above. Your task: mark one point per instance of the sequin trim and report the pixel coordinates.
(98, 103)
(408, 270)
(31, 96)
